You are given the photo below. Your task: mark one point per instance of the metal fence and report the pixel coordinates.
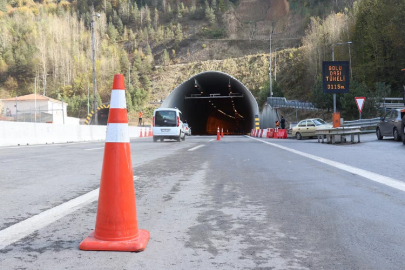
(392, 103)
(280, 102)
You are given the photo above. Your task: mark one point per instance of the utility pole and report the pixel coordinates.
(334, 95)
(271, 89)
(88, 98)
(275, 67)
(63, 112)
(35, 104)
(16, 110)
(93, 45)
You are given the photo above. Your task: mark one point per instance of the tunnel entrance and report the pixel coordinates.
(211, 99)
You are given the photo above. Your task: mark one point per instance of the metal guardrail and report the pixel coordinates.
(362, 123)
(331, 134)
(366, 125)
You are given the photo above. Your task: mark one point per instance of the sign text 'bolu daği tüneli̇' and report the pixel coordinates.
(336, 77)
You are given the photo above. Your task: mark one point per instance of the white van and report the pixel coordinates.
(168, 124)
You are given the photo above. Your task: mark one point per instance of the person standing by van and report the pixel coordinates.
(140, 115)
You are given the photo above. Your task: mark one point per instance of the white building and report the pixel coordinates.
(44, 109)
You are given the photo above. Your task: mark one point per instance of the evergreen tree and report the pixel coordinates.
(156, 18)
(178, 33)
(165, 58)
(209, 14)
(135, 13)
(169, 34)
(112, 32)
(214, 5)
(193, 7)
(147, 15)
(222, 6)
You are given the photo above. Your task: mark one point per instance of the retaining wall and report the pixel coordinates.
(20, 133)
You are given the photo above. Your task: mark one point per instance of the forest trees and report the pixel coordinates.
(376, 54)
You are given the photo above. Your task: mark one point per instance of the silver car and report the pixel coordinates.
(392, 125)
(187, 129)
(308, 127)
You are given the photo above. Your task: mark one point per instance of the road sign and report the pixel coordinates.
(360, 103)
(336, 77)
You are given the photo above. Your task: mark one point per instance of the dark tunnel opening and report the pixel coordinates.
(214, 99)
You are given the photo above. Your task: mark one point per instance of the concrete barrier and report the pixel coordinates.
(20, 133)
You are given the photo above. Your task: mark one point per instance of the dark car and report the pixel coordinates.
(392, 125)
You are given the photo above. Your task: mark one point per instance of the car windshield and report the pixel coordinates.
(319, 122)
(165, 119)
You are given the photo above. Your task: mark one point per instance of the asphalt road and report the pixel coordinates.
(239, 203)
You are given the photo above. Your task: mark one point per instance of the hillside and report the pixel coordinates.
(149, 41)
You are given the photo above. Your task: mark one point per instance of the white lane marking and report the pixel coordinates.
(117, 133)
(195, 148)
(212, 140)
(24, 228)
(90, 149)
(388, 181)
(118, 100)
(49, 144)
(35, 157)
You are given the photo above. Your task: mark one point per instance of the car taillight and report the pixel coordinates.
(153, 123)
(178, 121)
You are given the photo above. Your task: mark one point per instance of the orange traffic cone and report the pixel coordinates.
(141, 133)
(116, 224)
(222, 132)
(150, 132)
(218, 135)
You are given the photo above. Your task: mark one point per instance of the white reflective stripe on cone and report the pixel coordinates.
(117, 133)
(118, 100)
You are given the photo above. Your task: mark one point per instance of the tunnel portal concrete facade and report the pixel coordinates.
(211, 99)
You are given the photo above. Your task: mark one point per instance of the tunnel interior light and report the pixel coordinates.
(226, 114)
